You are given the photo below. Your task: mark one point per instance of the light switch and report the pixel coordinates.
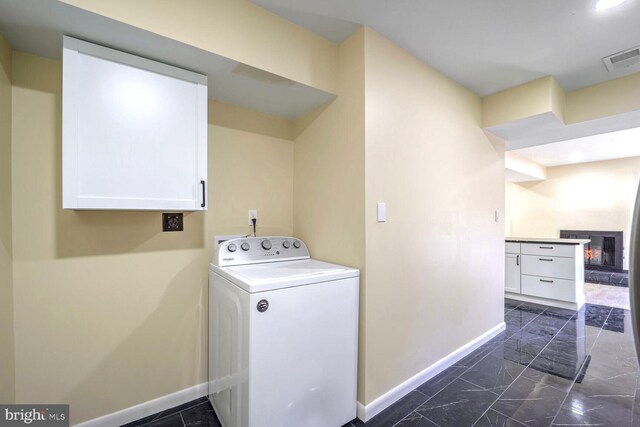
(382, 212)
(497, 215)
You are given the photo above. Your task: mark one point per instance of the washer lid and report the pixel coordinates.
(279, 275)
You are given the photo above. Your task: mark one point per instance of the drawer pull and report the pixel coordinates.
(517, 259)
(546, 247)
(545, 259)
(546, 281)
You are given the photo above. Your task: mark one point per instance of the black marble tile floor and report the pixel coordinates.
(195, 413)
(550, 367)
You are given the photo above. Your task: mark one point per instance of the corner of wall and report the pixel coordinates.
(329, 176)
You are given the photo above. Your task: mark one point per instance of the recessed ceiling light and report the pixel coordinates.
(576, 157)
(607, 4)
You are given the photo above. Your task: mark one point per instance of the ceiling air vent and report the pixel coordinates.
(622, 59)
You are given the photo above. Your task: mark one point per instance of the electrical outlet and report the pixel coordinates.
(172, 222)
(253, 213)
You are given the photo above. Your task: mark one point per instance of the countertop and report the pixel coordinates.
(543, 240)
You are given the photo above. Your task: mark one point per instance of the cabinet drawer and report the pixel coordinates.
(547, 287)
(548, 249)
(547, 266)
(512, 247)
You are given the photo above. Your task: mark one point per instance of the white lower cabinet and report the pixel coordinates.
(551, 274)
(512, 273)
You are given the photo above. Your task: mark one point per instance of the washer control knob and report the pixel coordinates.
(232, 247)
(245, 246)
(286, 244)
(296, 244)
(263, 305)
(266, 245)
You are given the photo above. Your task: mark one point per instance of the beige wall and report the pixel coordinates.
(622, 95)
(7, 384)
(236, 29)
(586, 196)
(329, 174)
(109, 311)
(527, 100)
(544, 96)
(396, 133)
(235, 117)
(435, 269)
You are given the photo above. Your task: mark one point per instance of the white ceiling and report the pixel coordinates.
(614, 145)
(487, 45)
(37, 26)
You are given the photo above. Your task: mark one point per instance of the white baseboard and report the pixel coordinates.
(365, 413)
(148, 408)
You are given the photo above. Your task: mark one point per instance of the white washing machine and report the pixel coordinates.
(283, 334)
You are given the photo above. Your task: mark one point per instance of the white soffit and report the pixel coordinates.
(608, 146)
(515, 176)
(547, 128)
(37, 26)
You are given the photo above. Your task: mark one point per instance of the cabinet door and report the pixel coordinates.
(134, 132)
(512, 273)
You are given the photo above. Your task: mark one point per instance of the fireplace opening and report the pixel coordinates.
(600, 252)
(604, 252)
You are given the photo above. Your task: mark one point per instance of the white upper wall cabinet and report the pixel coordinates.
(134, 132)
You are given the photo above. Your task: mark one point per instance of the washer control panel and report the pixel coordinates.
(256, 250)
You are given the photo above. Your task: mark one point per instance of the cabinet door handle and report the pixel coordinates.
(204, 200)
(517, 259)
(546, 247)
(545, 259)
(546, 281)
